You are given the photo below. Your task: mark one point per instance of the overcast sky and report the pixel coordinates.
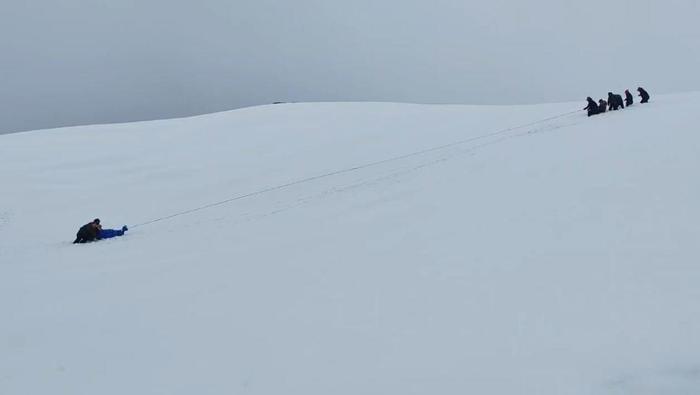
(67, 62)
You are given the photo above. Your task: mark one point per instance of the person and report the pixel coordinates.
(602, 105)
(629, 100)
(109, 233)
(643, 94)
(88, 232)
(615, 101)
(592, 107)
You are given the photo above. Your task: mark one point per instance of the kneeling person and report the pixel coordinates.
(643, 94)
(88, 232)
(602, 105)
(592, 107)
(615, 101)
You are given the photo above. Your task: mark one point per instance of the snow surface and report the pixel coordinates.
(558, 258)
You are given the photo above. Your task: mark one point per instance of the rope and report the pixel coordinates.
(352, 169)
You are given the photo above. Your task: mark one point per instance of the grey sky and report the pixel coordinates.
(67, 62)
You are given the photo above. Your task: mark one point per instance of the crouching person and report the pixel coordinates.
(643, 94)
(615, 102)
(88, 232)
(592, 106)
(602, 105)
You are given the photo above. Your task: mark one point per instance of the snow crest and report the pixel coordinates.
(466, 249)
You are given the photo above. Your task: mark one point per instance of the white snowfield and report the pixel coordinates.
(557, 258)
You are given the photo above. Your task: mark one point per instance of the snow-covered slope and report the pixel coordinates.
(556, 258)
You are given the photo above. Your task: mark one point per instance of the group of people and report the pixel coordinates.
(614, 102)
(93, 231)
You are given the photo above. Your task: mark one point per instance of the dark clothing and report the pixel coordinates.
(644, 95)
(602, 105)
(615, 101)
(628, 98)
(592, 107)
(86, 233)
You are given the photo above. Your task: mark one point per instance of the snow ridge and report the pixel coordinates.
(556, 257)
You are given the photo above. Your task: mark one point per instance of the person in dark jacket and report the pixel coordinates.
(602, 105)
(88, 232)
(592, 107)
(628, 98)
(615, 101)
(643, 94)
